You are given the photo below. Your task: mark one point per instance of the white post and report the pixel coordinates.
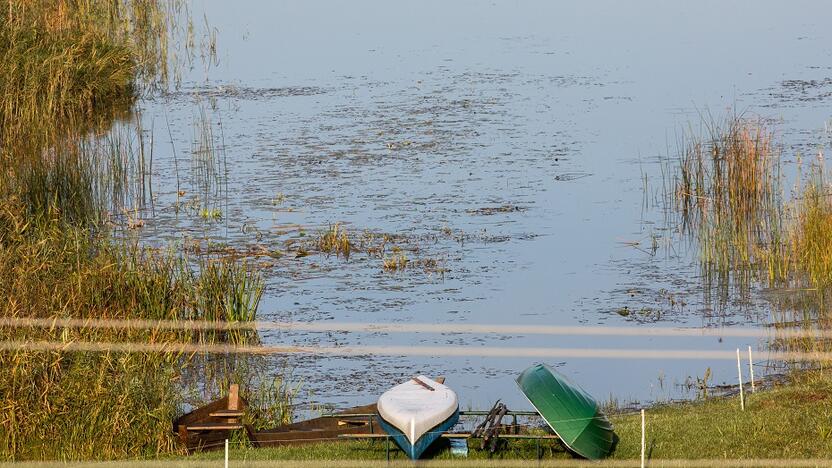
(642, 438)
(739, 373)
(226, 453)
(751, 370)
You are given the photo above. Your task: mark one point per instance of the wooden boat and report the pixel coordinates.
(574, 415)
(330, 427)
(207, 427)
(416, 413)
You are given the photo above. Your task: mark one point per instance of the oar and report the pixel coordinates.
(419, 381)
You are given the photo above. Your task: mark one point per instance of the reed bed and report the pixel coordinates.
(813, 233)
(729, 195)
(209, 168)
(70, 70)
(111, 405)
(62, 59)
(727, 191)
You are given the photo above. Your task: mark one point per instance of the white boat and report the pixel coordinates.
(417, 412)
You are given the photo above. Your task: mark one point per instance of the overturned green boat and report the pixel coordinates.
(574, 415)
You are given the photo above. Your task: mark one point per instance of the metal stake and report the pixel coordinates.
(751, 369)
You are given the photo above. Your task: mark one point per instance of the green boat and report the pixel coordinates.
(569, 410)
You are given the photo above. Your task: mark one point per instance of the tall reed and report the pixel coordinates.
(729, 196)
(68, 70)
(727, 191)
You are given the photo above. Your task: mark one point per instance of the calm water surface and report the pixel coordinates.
(415, 120)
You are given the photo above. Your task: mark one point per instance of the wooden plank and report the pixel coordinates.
(349, 422)
(350, 415)
(227, 414)
(214, 427)
(418, 381)
(267, 439)
(234, 397)
(202, 413)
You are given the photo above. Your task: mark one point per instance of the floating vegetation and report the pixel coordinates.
(492, 210)
(278, 199)
(210, 213)
(569, 176)
(335, 240)
(243, 93)
(396, 262)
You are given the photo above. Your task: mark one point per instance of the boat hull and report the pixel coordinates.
(415, 450)
(574, 415)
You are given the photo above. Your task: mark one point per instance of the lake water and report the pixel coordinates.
(418, 120)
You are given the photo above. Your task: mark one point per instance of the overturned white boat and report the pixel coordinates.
(417, 412)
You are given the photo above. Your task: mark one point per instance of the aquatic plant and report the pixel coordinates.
(813, 233)
(395, 262)
(335, 240)
(271, 402)
(727, 191)
(63, 59)
(209, 168)
(729, 197)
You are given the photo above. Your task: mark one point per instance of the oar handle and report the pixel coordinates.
(419, 381)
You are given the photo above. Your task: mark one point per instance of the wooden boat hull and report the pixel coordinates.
(320, 429)
(215, 429)
(574, 415)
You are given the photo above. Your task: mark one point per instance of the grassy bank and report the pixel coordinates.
(789, 421)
